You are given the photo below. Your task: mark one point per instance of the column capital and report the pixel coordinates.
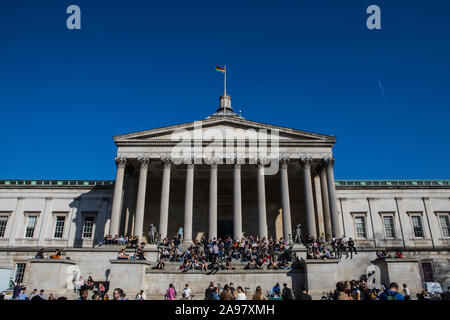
(329, 162)
(237, 161)
(167, 162)
(213, 163)
(261, 162)
(320, 170)
(305, 162)
(121, 162)
(144, 162)
(284, 162)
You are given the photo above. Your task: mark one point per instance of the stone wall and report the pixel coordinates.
(320, 275)
(75, 203)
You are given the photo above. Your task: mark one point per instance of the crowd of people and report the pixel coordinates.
(55, 255)
(222, 254)
(20, 293)
(383, 254)
(85, 289)
(359, 290)
(345, 290)
(318, 248)
(218, 254)
(139, 254)
(129, 241)
(230, 292)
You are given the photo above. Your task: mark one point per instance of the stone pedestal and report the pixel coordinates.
(300, 250)
(52, 275)
(321, 275)
(404, 270)
(151, 252)
(128, 275)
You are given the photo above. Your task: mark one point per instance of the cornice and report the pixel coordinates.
(267, 143)
(340, 184)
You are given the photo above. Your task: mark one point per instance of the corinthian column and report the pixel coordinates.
(262, 219)
(309, 201)
(237, 202)
(325, 204)
(285, 204)
(164, 210)
(332, 198)
(117, 200)
(212, 230)
(140, 204)
(188, 203)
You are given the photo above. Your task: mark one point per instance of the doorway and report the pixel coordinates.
(224, 228)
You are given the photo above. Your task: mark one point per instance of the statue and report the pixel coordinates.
(152, 234)
(298, 234)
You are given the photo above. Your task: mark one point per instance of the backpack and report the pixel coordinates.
(390, 296)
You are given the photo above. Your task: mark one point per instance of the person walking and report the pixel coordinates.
(186, 292)
(171, 293)
(406, 293)
(141, 295)
(287, 293)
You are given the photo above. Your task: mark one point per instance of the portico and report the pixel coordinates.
(223, 173)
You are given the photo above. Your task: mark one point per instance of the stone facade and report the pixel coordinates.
(232, 189)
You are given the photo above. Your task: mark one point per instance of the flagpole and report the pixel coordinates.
(225, 82)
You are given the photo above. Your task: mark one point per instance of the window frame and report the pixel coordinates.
(22, 273)
(4, 228)
(85, 217)
(59, 215)
(394, 231)
(362, 215)
(444, 215)
(420, 216)
(28, 216)
(433, 274)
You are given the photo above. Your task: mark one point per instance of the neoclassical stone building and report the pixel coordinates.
(224, 176)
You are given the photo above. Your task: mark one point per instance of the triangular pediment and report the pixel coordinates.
(225, 126)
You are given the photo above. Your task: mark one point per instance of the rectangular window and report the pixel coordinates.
(20, 272)
(31, 224)
(360, 223)
(59, 227)
(3, 222)
(88, 227)
(445, 225)
(389, 226)
(427, 272)
(417, 226)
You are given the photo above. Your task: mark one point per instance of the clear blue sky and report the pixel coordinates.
(310, 65)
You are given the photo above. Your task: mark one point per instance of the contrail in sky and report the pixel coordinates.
(381, 88)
